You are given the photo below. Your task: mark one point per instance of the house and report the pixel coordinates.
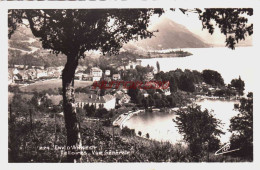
(56, 74)
(41, 73)
(16, 75)
(31, 73)
(21, 76)
(212, 90)
(53, 72)
(50, 71)
(164, 88)
(17, 78)
(78, 76)
(15, 71)
(87, 77)
(39, 67)
(19, 66)
(166, 92)
(107, 72)
(60, 68)
(13, 75)
(133, 64)
(146, 94)
(122, 98)
(81, 69)
(96, 73)
(116, 77)
(108, 101)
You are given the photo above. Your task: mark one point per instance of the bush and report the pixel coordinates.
(127, 132)
(147, 135)
(14, 89)
(101, 113)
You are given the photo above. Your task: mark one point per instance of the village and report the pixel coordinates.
(24, 76)
(116, 100)
(86, 82)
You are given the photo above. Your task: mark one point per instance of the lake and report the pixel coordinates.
(161, 127)
(229, 63)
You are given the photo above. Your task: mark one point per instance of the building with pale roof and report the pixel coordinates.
(107, 101)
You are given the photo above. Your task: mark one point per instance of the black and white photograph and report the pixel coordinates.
(130, 85)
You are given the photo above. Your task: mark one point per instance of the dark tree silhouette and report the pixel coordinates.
(239, 85)
(199, 128)
(212, 77)
(241, 127)
(158, 66)
(231, 22)
(75, 31)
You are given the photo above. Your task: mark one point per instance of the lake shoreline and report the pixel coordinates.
(173, 131)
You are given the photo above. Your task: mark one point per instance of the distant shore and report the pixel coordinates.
(167, 54)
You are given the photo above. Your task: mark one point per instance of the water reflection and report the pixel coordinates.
(161, 127)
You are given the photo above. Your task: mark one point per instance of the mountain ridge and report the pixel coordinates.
(171, 35)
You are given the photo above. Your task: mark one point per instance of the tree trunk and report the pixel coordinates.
(69, 109)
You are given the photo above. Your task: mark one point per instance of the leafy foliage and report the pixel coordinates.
(199, 128)
(239, 85)
(147, 135)
(111, 28)
(212, 77)
(127, 132)
(75, 31)
(25, 140)
(158, 66)
(82, 90)
(183, 80)
(186, 84)
(231, 21)
(241, 127)
(30, 130)
(14, 89)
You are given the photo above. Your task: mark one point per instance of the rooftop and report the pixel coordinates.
(92, 98)
(95, 69)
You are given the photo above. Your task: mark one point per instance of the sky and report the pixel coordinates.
(192, 23)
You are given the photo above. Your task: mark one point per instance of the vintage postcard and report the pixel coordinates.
(114, 82)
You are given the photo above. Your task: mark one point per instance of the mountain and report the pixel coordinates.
(170, 36)
(25, 49)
